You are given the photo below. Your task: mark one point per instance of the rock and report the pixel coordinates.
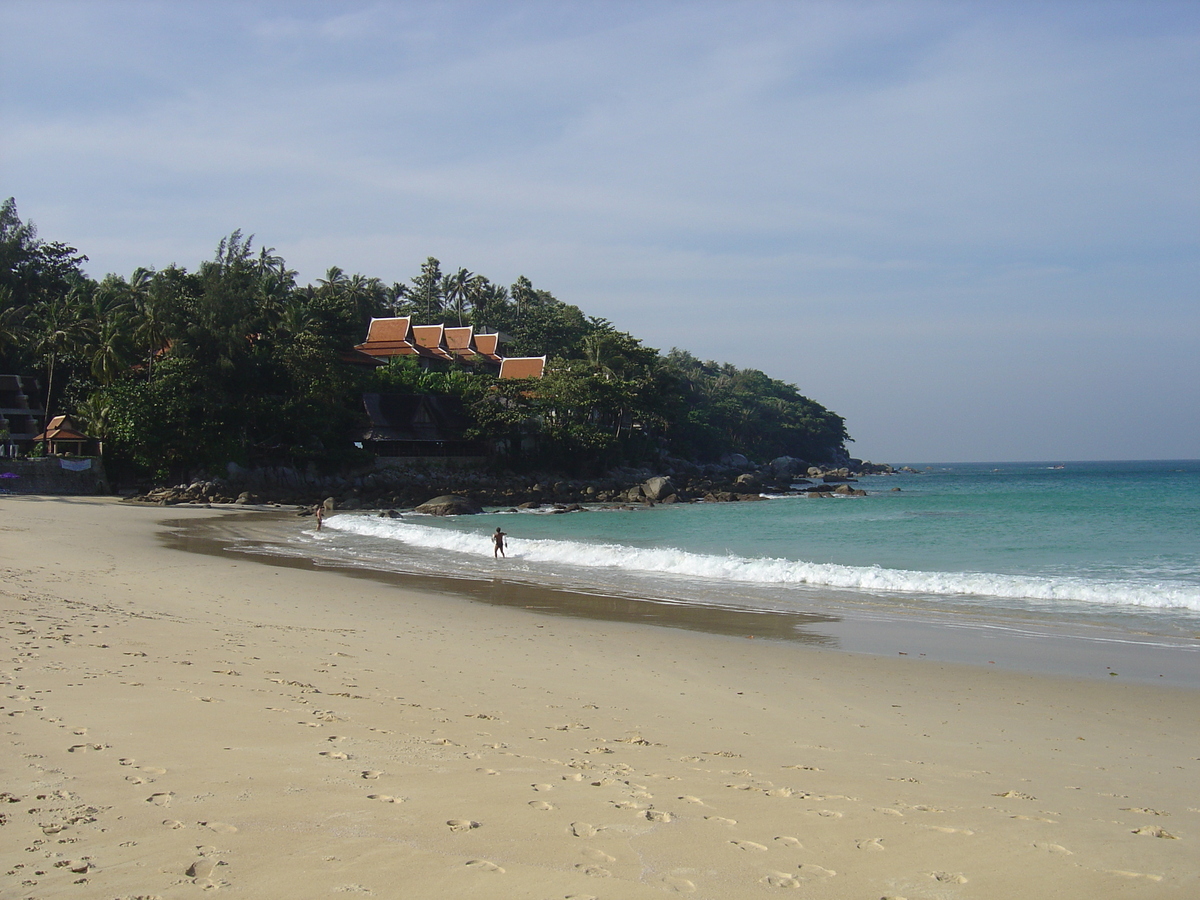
(658, 487)
(749, 480)
(787, 466)
(735, 461)
(329, 504)
(245, 497)
(450, 505)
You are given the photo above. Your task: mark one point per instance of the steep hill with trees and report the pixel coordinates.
(179, 371)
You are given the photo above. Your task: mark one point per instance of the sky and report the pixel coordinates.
(969, 228)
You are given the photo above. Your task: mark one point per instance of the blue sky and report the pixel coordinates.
(969, 228)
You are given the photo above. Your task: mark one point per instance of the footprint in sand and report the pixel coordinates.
(385, 798)
(161, 799)
(720, 820)
(690, 799)
(127, 761)
(371, 774)
(483, 865)
(1155, 831)
(780, 880)
(84, 748)
(541, 805)
(134, 779)
(657, 815)
(583, 830)
(220, 827)
(487, 771)
(869, 844)
(334, 754)
(888, 811)
(749, 845)
(948, 877)
(946, 829)
(810, 871)
(1052, 848)
(679, 884)
(597, 855)
(174, 824)
(542, 787)
(201, 868)
(462, 824)
(593, 871)
(788, 841)
(827, 813)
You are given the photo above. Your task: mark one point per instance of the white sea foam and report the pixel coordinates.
(768, 571)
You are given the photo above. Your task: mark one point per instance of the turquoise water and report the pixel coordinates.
(1091, 545)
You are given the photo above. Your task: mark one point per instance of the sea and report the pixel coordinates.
(1079, 568)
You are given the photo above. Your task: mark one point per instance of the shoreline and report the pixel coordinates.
(1072, 650)
(178, 721)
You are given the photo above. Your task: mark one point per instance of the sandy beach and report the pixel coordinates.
(176, 722)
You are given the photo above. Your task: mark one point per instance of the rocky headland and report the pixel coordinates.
(734, 479)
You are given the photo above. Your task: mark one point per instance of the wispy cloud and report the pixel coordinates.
(809, 168)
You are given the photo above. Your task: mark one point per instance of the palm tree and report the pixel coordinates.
(455, 289)
(58, 327)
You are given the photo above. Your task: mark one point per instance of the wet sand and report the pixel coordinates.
(179, 722)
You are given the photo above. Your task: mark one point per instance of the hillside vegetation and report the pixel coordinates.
(183, 370)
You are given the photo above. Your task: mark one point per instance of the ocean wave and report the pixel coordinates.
(775, 571)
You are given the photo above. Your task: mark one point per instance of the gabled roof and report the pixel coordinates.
(488, 346)
(523, 367)
(415, 417)
(459, 340)
(61, 428)
(389, 337)
(429, 341)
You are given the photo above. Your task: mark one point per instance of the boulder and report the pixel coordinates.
(784, 466)
(735, 461)
(450, 505)
(658, 487)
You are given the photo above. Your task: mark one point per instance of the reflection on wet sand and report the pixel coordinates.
(252, 534)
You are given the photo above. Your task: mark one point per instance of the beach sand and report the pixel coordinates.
(176, 722)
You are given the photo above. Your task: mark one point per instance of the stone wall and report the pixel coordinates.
(53, 475)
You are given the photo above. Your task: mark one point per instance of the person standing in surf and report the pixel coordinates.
(498, 544)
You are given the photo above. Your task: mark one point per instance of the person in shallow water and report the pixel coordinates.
(498, 543)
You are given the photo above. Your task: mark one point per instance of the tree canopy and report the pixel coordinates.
(180, 371)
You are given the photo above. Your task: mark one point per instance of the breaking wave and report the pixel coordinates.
(781, 572)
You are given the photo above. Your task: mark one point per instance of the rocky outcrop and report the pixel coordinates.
(450, 505)
(673, 481)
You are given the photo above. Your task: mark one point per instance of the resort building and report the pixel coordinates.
(407, 427)
(438, 344)
(21, 414)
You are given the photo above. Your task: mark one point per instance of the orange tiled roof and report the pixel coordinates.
(459, 341)
(61, 428)
(523, 367)
(428, 340)
(389, 337)
(488, 346)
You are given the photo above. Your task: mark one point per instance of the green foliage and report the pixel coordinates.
(181, 370)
